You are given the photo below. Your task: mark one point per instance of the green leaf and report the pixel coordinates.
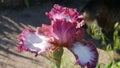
(110, 64)
(26, 2)
(118, 63)
(116, 25)
(108, 47)
(98, 66)
(56, 54)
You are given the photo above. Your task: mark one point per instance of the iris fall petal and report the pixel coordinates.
(32, 41)
(86, 54)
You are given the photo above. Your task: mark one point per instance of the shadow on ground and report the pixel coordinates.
(12, 22)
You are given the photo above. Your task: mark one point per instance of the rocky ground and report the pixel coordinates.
(12, 22)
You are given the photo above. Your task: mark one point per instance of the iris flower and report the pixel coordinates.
(66, 31)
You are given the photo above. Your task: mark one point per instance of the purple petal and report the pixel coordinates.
(86, 54)
(63, 13)
(33, 42)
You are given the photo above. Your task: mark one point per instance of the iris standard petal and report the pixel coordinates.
(65, 33)
(63, 13)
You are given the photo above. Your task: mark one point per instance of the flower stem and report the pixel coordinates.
(56, 54)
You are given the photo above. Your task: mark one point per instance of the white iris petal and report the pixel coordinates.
(83, 52)
(36, 42)
(62, 16)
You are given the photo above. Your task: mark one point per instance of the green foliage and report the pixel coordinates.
(68, 60)
(98, 66)
(108, 47)
(96, 32)
(116, 37)
(110, 65)
(26, 2)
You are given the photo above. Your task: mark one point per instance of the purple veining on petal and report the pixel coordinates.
(63, 13)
